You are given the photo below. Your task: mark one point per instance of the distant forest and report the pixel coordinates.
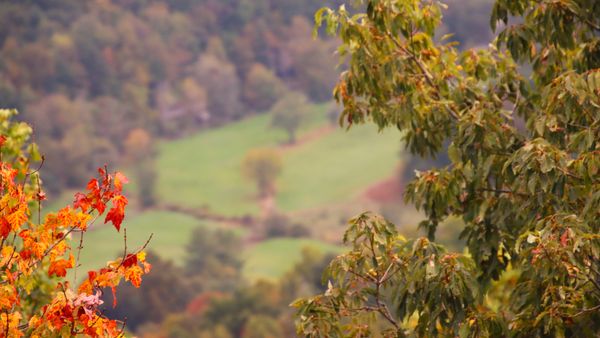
(95, 76)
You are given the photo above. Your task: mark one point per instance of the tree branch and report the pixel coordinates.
(428, 77)
(584, 311)
(382, 307)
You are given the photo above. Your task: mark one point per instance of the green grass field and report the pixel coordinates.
(271, 259)
(204, 170)
(327, 167)
(336, 167)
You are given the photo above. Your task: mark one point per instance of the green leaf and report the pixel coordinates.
(453, 153)
(34, 153)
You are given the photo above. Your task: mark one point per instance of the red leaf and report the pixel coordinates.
(93, 184)
(130, 260)
(81, 202)
(25, 254)
(100, 207)
(116, 217)
(92, 275)
(117, 212)
(4, 227)
(564, 239)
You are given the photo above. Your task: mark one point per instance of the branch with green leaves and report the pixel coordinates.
(524, 160)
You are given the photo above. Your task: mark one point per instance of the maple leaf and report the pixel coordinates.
(100, 206)
(6, 253)
(134, 275)
(130, 260)
(88, 285)
(18, 217)
(44, 247)
(120, 179)
(25, 254)
(117, 212)
(81, 202)
(93, 185)
(116, 217)
(80, 220)
(4, 227)
(59, 267)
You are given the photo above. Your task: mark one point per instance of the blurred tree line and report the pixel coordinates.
(166, 67)
(206, 296)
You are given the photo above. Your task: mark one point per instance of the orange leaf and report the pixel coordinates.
(120, 179)
(134, 275)
(59, 267)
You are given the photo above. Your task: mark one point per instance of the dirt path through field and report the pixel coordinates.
(311, 136)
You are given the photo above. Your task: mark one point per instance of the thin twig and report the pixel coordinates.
(364, 277)
(383, 280)
(137, 251)
(79, 247)
(124, 243)
(584, 311)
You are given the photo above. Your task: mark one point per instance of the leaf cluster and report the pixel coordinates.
(35, 298)
(523, 171)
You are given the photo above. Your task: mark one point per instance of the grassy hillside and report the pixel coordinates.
(328, 166)
(273, 258)
(336, 167)
(204, 170)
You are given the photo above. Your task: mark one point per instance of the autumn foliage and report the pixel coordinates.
(36, 300)
(521, 176)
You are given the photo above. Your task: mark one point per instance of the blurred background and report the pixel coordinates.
(220, 113)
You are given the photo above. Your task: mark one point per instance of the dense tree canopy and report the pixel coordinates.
(152, 64)
(168, 67)
(524, 157)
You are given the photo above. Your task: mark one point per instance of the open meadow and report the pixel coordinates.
(327, 167)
